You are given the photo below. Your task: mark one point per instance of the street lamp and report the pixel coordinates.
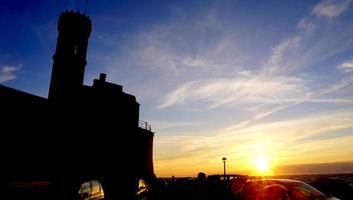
(224, 159)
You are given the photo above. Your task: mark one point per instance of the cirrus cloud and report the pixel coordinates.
(346, 66)
(7, 73)
(331, 8)
(240, 91)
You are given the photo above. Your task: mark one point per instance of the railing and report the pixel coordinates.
(145, 125)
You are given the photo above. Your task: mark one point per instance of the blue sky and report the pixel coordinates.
(231, 78)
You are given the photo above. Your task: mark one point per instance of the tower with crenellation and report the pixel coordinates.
(69, 59)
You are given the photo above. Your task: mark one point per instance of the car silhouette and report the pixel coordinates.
(278, 189)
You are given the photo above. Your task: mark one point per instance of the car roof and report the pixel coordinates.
(288, 181)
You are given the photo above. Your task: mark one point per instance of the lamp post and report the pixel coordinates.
(224, 159)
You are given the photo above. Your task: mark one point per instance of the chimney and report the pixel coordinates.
(102, 77)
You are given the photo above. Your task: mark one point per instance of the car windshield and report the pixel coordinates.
(265, 190)
(304, 190)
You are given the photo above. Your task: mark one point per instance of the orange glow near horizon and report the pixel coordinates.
(266, 149)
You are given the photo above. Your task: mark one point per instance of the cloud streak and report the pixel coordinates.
(8, 72)
(241, 91)
(346, 66)
(331, 8)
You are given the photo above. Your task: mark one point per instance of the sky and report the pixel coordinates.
(243, 79)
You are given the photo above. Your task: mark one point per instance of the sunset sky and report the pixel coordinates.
(247, 80)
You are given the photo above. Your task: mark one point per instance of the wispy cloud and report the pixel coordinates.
(171, 47)
(306, 24)
(346, 66)
(276, 59)
(241, 91)
(8, 72)
(331, 8)
(312, 97)
(332, 100)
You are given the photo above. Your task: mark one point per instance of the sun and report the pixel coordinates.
(262, 164)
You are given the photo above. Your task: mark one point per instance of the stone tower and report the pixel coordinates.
(70, 56)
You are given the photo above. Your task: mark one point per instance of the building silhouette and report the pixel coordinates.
(79, 133)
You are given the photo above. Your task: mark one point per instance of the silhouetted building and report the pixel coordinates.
(80, 132)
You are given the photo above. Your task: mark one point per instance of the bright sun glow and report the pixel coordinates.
(261, 164)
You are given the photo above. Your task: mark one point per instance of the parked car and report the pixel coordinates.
(91, 190)
(279, 189)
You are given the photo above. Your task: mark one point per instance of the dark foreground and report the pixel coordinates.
(214, 187)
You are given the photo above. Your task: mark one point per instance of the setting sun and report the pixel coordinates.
(262, 165)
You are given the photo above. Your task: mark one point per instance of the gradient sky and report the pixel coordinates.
(240, 79)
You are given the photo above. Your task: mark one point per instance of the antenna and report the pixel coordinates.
(86, 3)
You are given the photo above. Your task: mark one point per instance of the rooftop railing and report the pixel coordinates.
(145, 125)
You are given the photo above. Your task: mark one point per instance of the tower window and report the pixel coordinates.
(75, 50)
